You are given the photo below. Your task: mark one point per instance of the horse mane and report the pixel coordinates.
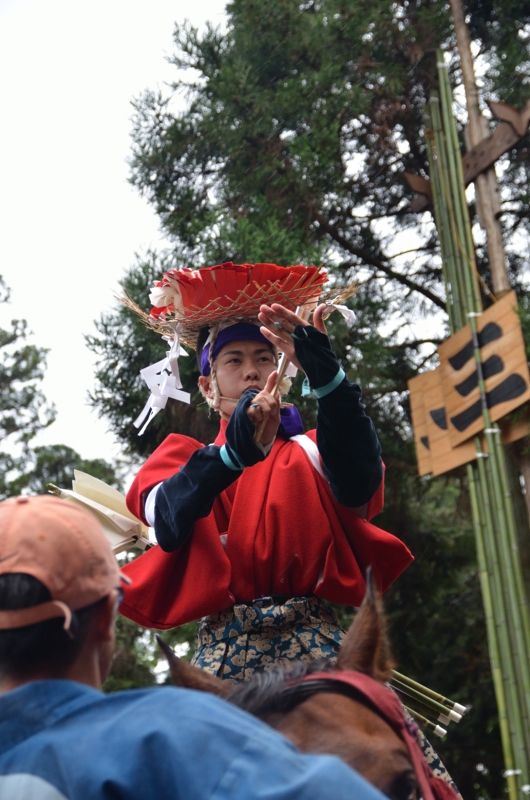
(267, 691)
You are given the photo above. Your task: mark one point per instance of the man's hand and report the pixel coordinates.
(279, 323)
(266, 407)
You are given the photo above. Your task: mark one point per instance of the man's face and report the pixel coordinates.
(239, 366)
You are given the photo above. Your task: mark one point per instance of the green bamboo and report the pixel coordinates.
(493, 642)
(501, 619)
(465, 296)
(496, 466)
(518, 574)
(500, 607)
(517, 604)
(505, 606)
(457, 179)
(442, 174)
(518, 654)
(448, 175)
(444, 239)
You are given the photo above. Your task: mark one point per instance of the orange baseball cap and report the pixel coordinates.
(61, 545)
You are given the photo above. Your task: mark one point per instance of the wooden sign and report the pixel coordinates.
(417, 387)
(504, 366)
(434, 450)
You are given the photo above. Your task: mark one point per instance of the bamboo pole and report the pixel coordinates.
(496, 465)
(517, 654)
(504, 599)
(493, 641)
(518, 574)
(501, 613)
(455, 266)
(470, 300)
(441, 224)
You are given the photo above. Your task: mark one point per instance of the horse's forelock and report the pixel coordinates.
(264, 692)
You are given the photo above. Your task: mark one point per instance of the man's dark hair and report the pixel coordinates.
(45, 646)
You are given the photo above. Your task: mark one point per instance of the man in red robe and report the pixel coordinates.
(254, 537)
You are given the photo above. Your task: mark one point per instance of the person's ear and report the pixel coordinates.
(205, 385)
(106, 617)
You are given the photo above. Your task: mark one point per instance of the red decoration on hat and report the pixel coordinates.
(236, 290)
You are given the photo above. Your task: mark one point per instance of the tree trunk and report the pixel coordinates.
(486, 183)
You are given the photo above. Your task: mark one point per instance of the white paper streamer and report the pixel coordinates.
(173, 355)
(163, 384)
(346, 312)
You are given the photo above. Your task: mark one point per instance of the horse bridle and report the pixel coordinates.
(339, 682)
(295, 692)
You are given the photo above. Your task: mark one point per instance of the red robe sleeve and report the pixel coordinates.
(164, 582)
(162, 464)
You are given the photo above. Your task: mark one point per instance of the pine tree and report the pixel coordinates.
(55, 463)
(302, 118)
(24, 412)
(23, 407)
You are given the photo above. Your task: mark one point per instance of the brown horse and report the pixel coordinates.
(324, 716)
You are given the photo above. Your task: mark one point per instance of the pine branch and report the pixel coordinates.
(368, 258)
(418, 342)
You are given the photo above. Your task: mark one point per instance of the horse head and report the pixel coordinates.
(318, 708)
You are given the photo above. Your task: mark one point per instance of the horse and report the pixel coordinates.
(343, 709)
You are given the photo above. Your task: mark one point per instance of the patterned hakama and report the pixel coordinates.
(235, 643)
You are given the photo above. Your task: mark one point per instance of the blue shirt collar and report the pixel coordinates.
(37, 705)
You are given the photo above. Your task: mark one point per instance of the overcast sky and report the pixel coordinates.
(69, 221)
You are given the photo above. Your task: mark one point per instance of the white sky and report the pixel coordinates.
(69, 221)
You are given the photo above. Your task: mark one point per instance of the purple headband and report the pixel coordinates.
(241, 331)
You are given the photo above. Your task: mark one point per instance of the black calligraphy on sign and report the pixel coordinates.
(492, 366)
(435, 434)
(439, 417)
(503, 367)
(488, 334)
(446, 404)
(510, 388)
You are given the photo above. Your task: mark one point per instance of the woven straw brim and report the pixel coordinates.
(245, 307)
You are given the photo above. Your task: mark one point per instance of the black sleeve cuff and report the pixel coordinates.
(189, 495)
(317, 359)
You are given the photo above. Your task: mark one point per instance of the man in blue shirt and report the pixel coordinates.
(60, 737)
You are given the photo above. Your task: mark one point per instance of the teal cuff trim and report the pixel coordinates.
(306, 389)
(231, 461)
(329, 387)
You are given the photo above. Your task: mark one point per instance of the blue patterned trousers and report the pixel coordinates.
(235, 643)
